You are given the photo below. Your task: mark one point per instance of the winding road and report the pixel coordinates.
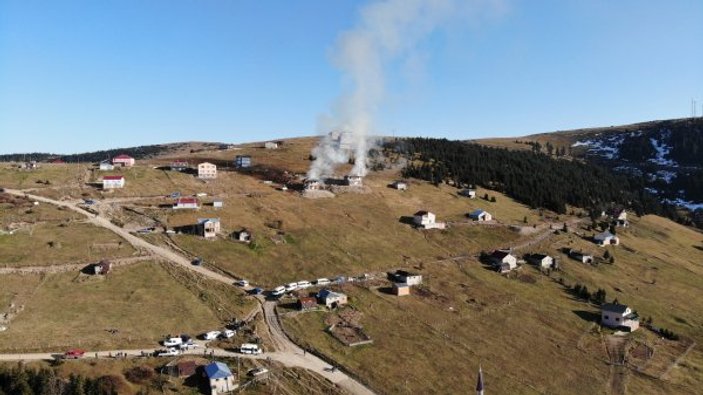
(288, 353)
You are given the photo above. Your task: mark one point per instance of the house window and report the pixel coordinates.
(607, 317)
(617, 319)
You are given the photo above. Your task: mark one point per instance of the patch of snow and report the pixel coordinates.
(685, 203)
(666, 175)
(580, 143)
(662, 151)
(653, 191)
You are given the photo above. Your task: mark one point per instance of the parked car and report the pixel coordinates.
(322, 281)
(242, 283)
(339, 280)
(175, 195)
(74, 353)
(197, 261)
(173, 342)
(278, 291)
(189, 346)
(257, 371)
(249, 348)
(89, 201)
(227, 333)
(291, 287)
(201, 194)
(211, 335)
(304, 284)
(169, 352)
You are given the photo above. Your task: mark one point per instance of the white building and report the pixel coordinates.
(218, 204)
(186, 202)
(331, 299)
(208, 227)
(400, 185)
(503, 260)
(427, 220)
(207, 170)
(220, 378)
(112, 182)
(106, 166)
(480, 215)
(541, 260)
(468, 192)
(271, 145)
(409, 278)
(615, 315)
(353, 181)
(606, 238)
(123, 160)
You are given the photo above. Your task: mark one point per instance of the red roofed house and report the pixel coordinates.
(186, 202)
(123, 160)
(111, 182)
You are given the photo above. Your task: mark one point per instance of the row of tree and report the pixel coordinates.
(20, 380)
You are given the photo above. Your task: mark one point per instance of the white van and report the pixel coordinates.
(322, 281)
(278, 291)
(304, 284)
(212, 335)
(291, 287)
(248, 348)
(173, 342)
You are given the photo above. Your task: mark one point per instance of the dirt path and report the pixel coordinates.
(289, 353)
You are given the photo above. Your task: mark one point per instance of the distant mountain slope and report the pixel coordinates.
(140, 152)
(667, 155)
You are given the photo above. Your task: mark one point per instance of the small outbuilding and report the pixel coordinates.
(409, 278)
(123, 161)
(242, 161)
(620, 316)
(106, 165)
(427, 220)
(331, 299)
(606, 238)
(581, 256)
(401, 289)
(541, 260)
(468, 192)
(480, 215)
(353, 180)
(271, 145)
(220, 378)
(208, 227)
(186, 203)
(102, 268)
(113, 182)
(243, 235)
(503, 260)
(399, 185)
(306, 303)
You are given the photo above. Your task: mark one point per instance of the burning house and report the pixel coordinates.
(353, 181)
(313, 185)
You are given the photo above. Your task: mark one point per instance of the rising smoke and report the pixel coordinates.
(387, 31)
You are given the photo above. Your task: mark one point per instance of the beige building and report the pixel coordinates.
(208, 227)
(616, 315)
(207, 170)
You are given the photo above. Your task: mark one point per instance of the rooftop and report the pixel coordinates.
(217, 370)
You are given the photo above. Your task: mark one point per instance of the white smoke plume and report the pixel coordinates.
(387, 31)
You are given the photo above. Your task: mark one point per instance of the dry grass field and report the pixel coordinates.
(142, 301)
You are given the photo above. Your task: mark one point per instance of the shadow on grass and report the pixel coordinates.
(589, 316)
(407, 220)
(386, 290)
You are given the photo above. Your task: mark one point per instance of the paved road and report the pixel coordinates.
(288, 352)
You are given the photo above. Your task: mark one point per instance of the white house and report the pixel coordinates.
(581, 256)
(271, 145)
(606, 238)
(400, 185)
(541, 260)
(503, 260)
(106, 166)
(208, 227)
(123, 160)
(186, 202)
(619, 316)
(468, 192)
(480, 215)
(409, 278)
(207, 170)
(426, 220)
(220, 378)
(112, 182)
(218, 203)
(331, 299)
(243, 235)
(353, 181)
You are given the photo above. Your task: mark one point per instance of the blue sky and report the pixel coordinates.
(86, 75)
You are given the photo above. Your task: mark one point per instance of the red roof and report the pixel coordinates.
(187, 200)
(113, 177)
(123, 156)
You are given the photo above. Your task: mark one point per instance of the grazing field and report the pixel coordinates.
(55, 174)
(51, 243)
(143, 302)
(433, 341)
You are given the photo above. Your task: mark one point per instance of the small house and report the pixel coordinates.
(179, 165)
(331, 299)
(180, 368)
(102, 268)
(306, 303)
(427, 220)
(616, 315)
(399, 185)
(106, 166)
(207, 171)
(220, 378)
(606, 238)
(581, 256)
(242, 161)
(401, 289)
(186, 203)
(402, 276)
(468, 192)
(480, 215)
(271, 145)
(312, 185)
(218, 203)
(353, 181)
(208, 227)
(503, 260)
(243, 235)
(113, 182)
(123, 161)
(541, 260)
